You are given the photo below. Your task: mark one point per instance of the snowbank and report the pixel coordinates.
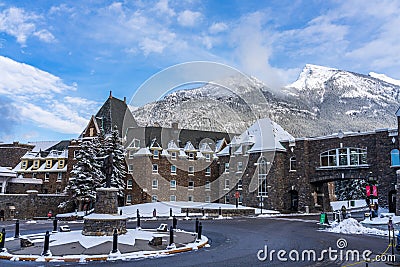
(351, 226)
(358, 203)
(382, 220)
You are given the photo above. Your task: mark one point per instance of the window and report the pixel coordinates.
(135, 143)
(226, 199)
(154, 198)
(91, 132)
(173, 155)
(172, 184)
(207, 199)
(129, 184)
(61, 163)
(24, 164)
(173, 169)
(59, 177)
(191, 156)
(130, 168)
(155, 154)
(240, 166)
(240, 184)
(190, 198)
(262, 177)
(395, 157)
(172, 198)
(34, 175)
(340, 157)
(155, 168)
(208, 157)
(227, 184)
(76, 153)
(48, 163)
(191, 185)
(207, 185)
(46, 177)
(155, 184)
(226, 168)
(292, 163)
(128, 199)
(191, 170)
(131, 154)
(208, 171)
(36, 164)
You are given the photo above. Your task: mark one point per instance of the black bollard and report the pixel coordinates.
(187, 213)
(46, 251)
(197, 225)
(199, 232)
(202, 211)
(174, 222)
(55, 225)
(171, 235)
(16, 229)
(137, 213)
(2, 238)
(170, 212)
(138, 221)
(120, 212)
(115, 242)
(220, 211)
(154, 213)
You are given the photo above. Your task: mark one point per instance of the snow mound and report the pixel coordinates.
(352, 226)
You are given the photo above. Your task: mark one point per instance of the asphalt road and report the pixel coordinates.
(236, 242)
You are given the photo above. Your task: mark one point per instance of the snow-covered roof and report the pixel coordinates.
(189, 147)
(172, 146)
(42, 145)
(182, 154)
(224, 152)
(199, 155)
(144, 151)
(219, 144)
(5, 172)
(205, 148)
(154, 145)
(165, 153)
(20, 180)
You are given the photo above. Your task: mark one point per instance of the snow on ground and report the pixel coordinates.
(384, 219)
(91, 241)
(163, 208)
(359, 203)
(71, 214)
(266, 212)
(351, 226)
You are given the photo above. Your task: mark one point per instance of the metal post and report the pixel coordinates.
(199, 232)
(262, 204)
(174, 222)
(2, 238)
(120, 212)
(171, 235)
(138, 221)
(46, 251)
(115, 242)
(170, 212)
(237, 202)
(220, 211)
(202, 211)
(187, 213)
(154, 213)
(55, 225)
(197, 225)
(16, 229)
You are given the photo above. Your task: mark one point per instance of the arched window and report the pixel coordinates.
(262, 177)
(344, 157)
(292, 166)
(395, 158)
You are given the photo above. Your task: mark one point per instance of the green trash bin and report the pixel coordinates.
(352, 203)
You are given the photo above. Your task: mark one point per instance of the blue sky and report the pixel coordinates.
(60, 59)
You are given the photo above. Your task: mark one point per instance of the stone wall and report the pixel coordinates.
(27, 206)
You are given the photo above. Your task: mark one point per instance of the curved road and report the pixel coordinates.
(236, 243)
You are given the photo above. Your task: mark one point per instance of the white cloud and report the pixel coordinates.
(151, 46)
(189, 18)
(21, 24)
(40, 97)
(217, 27)
(162, 6)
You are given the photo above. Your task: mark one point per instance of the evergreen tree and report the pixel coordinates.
(112, 145)
(350, 189)
(86, 173)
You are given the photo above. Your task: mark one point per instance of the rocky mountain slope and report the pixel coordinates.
(321, 101)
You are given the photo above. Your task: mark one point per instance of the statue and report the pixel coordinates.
(108, 169)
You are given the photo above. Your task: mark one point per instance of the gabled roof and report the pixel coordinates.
(398, 112)
(189, 147)
(205, 148)
(172, 146)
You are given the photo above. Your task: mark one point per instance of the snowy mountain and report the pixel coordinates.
(321, 101)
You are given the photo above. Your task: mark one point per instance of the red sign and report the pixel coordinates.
(237, 194)
(374, 191)
(368, 188)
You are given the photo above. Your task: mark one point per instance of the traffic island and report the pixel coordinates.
(75, 247)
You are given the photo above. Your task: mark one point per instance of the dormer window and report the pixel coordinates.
(191, 156)
(135, 143)
(173, 155)
(61, 163)
(36, 164)
(155, 154)
(91, 132)
(48, 163)
(24, 164)
(208, 157)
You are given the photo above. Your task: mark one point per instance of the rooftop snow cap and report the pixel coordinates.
(264, 135)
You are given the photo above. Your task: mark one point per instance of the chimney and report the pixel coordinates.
(175, 126)
(110, 94)
(125, 99)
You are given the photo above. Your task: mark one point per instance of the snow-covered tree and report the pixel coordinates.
(350, 189)
(112, 145)
(86, 173)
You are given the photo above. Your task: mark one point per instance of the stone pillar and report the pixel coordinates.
(106, 201)
(398, 193)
